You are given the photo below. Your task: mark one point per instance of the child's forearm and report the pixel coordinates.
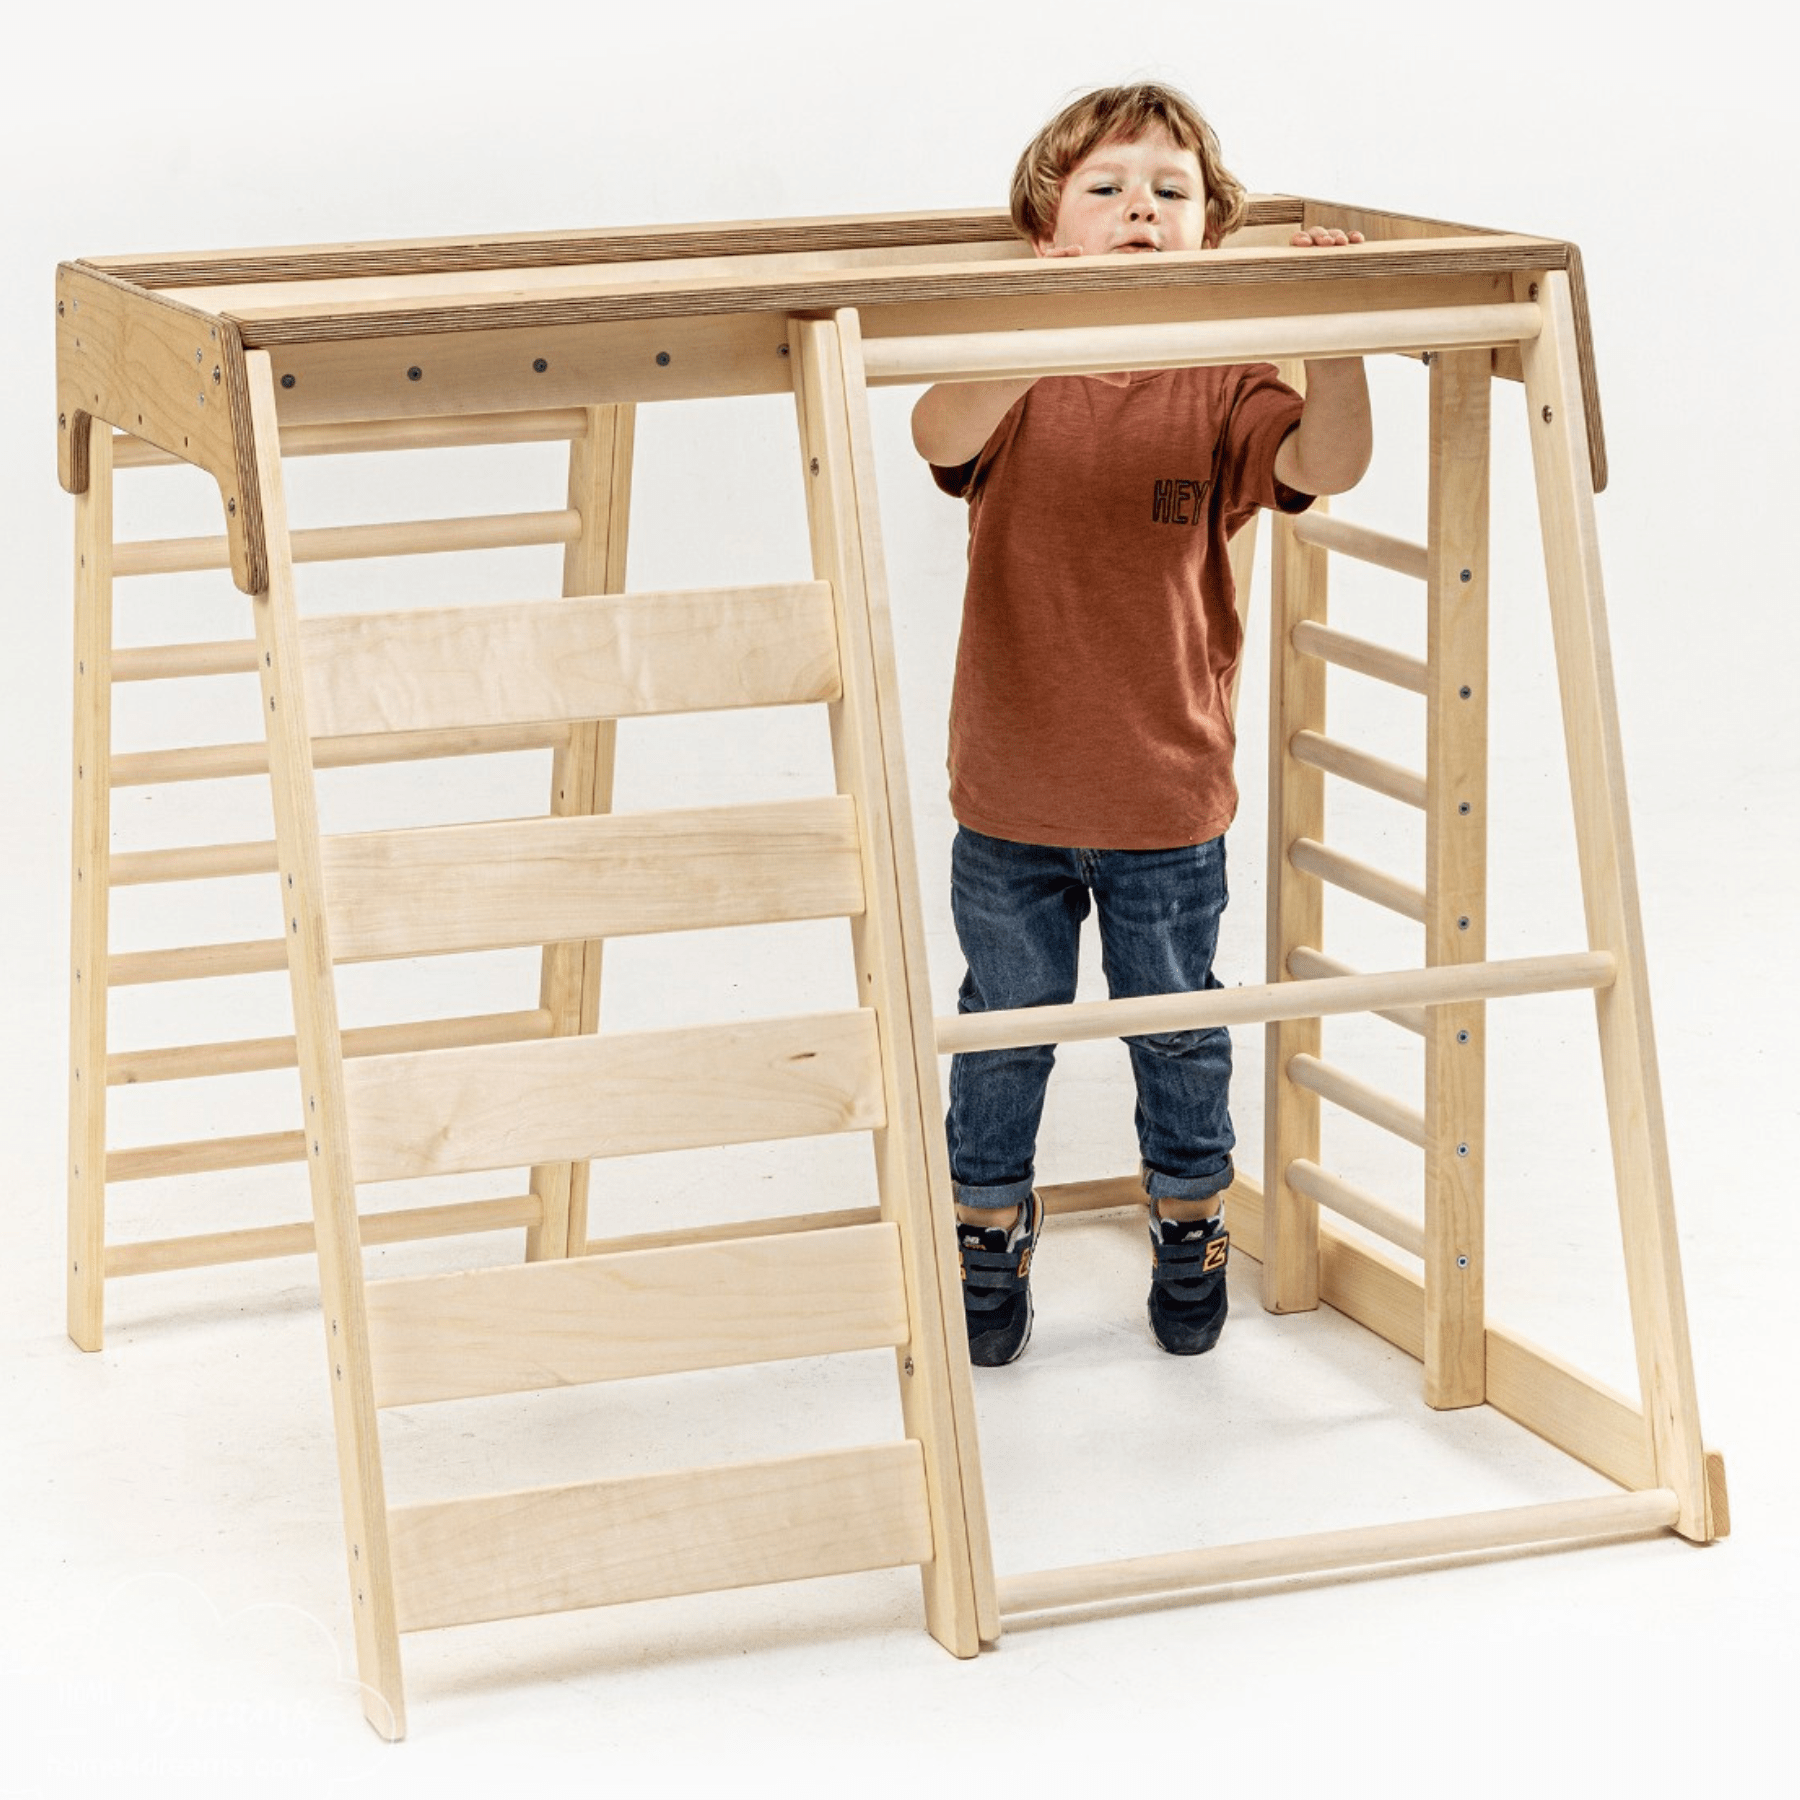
(1329, 451)
(954, 419)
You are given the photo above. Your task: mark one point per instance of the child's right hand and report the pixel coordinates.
(1112, 377)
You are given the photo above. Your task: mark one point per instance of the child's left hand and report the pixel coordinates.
(1323, 237)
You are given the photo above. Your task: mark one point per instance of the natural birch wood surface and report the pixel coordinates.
(642, 1312)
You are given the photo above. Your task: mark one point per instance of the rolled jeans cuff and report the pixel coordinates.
(1175, 1187)
(1007, 1194)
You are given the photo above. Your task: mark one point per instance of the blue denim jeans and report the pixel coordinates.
(1018, 911)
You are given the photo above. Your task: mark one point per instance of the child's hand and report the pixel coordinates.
(1323, 237)
(1117, 378)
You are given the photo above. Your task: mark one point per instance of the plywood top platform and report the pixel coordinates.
(157, 344)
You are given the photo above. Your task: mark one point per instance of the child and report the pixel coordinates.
(1090, 727)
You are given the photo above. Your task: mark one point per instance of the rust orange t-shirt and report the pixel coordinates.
(1099, 630)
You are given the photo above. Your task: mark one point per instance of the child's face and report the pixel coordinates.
(1143, 195)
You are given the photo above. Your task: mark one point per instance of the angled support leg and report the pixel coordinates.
(1609, 891)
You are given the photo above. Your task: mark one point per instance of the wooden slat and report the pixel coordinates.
(350, 543)
(567, 1099)
(551, 425)
(602, 657)
(1332, 1552)
(645, 1312)
(154, 1256)
(540, 881)
(244, 1056)
(544, 1550)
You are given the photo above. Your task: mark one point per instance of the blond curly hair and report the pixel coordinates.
(1126, 113)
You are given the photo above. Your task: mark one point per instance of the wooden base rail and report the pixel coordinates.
(1337, 1552)
(564, 424)
(1361, 544)
(999, 355)
(344, 543)
(1376, 773)
(1338, 1196)
(1358, 878)
(1305, 999)
(1360, 657)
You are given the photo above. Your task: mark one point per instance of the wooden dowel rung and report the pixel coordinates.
(1344, 1090)
(206, 1156)
(1325, 1553)
(192, 862)
(195, 962)
(740, 1228)
(219, 762)
(176, 662)
(1360, 1208)
(153, 1256)
(1299, 999)
(552, 425)
(997, 355)
(1358, 878)
(344, 543)
(1360, 657)
(1372, 772)
(1306, 964)
(246, 1056)
(1361, 544)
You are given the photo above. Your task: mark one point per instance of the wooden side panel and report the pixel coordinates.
(1456, 876)
(91, 849)
(593, 658)
(566, 1099)
(538, 881)
(643, 1312)
(543, 1550)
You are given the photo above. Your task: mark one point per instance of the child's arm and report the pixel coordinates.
(954, 419)
(1328, 451)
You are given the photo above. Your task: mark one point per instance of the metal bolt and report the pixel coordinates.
(1462, 1262)
(909, 1365)
(1531, 292)
(781, 349)
(218, 376)
(814, 465)
(1462, 1037)
(1425, 357)
(1464, 808)
(199, 356)
(59, 309)
(663, 359)
(62, 421)
(287, 381)
(231, 506)
(1468, 575)
(539, 365)
(1464, 693)
(1548, 415)
(1462, 924)
(1462, 1149)
(415, 373)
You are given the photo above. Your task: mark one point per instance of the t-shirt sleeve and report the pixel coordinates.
(1263, 411)
(955, 481)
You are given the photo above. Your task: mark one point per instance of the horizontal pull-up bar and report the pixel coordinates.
(990, 355)
(1314, 999)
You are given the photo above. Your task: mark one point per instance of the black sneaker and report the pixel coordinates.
(996, 1269)
(1187, 1282)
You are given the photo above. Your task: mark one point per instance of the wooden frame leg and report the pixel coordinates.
(1609, 891)
(90, 877)
(581, 783)
(1456, 875)
(322, 1085)
(937, 1396)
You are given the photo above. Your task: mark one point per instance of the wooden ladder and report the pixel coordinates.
(705, 1302)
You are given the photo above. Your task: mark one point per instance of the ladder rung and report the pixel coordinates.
(540, 881)
(153, 1256)
(195, 962)
(600, 657)
(539, 1550)
(1372, 772)
(552, 425)
(1363, 545)
(568, 1099)
(205, 1156)
(346, 543)
(1359, 1208)
(176, 662)
(218, 762)
(1354, 877)
(246, 1056)
(1361, 657)
(643, 1312)
(1340, 1089)
(1306, 964)
(191, 862)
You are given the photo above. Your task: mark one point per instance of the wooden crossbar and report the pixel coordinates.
(1355, 877)
(607, 657)
(1362, 544)
(561, 424)
(502, 1556)
(569, 1099)
(1373, 772)
(642, 1312)
(1350, 1202)
(1343, 1089)
(539, 881)
(1376, 661)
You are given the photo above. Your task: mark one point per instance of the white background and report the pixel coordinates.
(174, 1598)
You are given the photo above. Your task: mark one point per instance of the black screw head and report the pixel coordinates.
(1468, 575)
(539, 365)
(1464, 693)
(415, 373)
(1548, 415)
(287, 381)
(663, 359)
